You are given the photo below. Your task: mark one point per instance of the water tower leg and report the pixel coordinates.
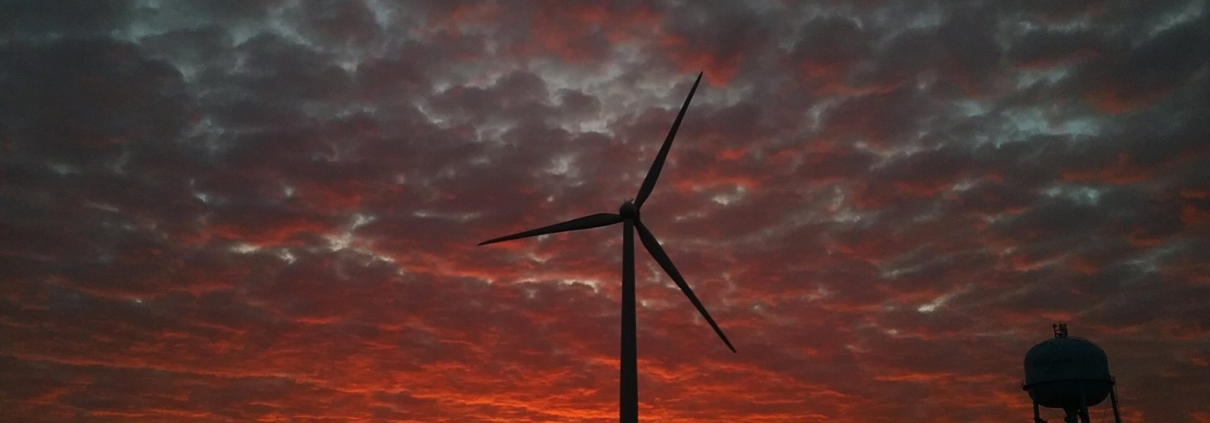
(1113, 400)
(1083, 410)
(1037, 417)
(1071, 415)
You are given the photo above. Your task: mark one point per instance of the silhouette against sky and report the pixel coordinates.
(267, 210)
(629, 216)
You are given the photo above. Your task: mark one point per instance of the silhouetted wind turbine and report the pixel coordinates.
(628, 216)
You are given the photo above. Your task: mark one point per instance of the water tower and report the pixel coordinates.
(1068, 373)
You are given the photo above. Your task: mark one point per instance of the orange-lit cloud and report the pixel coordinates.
(267, 211)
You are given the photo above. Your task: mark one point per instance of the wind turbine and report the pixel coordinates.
(628, 216)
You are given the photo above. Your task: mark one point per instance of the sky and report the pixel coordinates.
(238, 211)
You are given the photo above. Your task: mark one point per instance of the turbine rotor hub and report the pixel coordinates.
(629, 210)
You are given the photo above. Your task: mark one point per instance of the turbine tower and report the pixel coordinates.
(628, 216)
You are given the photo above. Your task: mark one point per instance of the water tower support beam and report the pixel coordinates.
(1071, 415)
(1083, 403)
(1113, 400)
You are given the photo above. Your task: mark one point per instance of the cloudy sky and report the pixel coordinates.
(230, 211)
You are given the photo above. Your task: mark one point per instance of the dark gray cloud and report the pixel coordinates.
(264, 210)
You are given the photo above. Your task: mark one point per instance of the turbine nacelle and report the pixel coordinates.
(629, 211)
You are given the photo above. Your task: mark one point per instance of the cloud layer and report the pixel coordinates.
(267, 210)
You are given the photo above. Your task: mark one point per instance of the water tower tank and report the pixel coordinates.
(1068, 373)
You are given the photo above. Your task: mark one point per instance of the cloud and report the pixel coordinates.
(267, 210)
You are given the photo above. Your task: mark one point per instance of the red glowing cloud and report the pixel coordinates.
(268, 211)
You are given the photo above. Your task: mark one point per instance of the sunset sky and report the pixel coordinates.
(267, 211)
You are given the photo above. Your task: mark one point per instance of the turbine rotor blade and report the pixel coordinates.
(657, 252)
(654, 173)
(586, 222)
